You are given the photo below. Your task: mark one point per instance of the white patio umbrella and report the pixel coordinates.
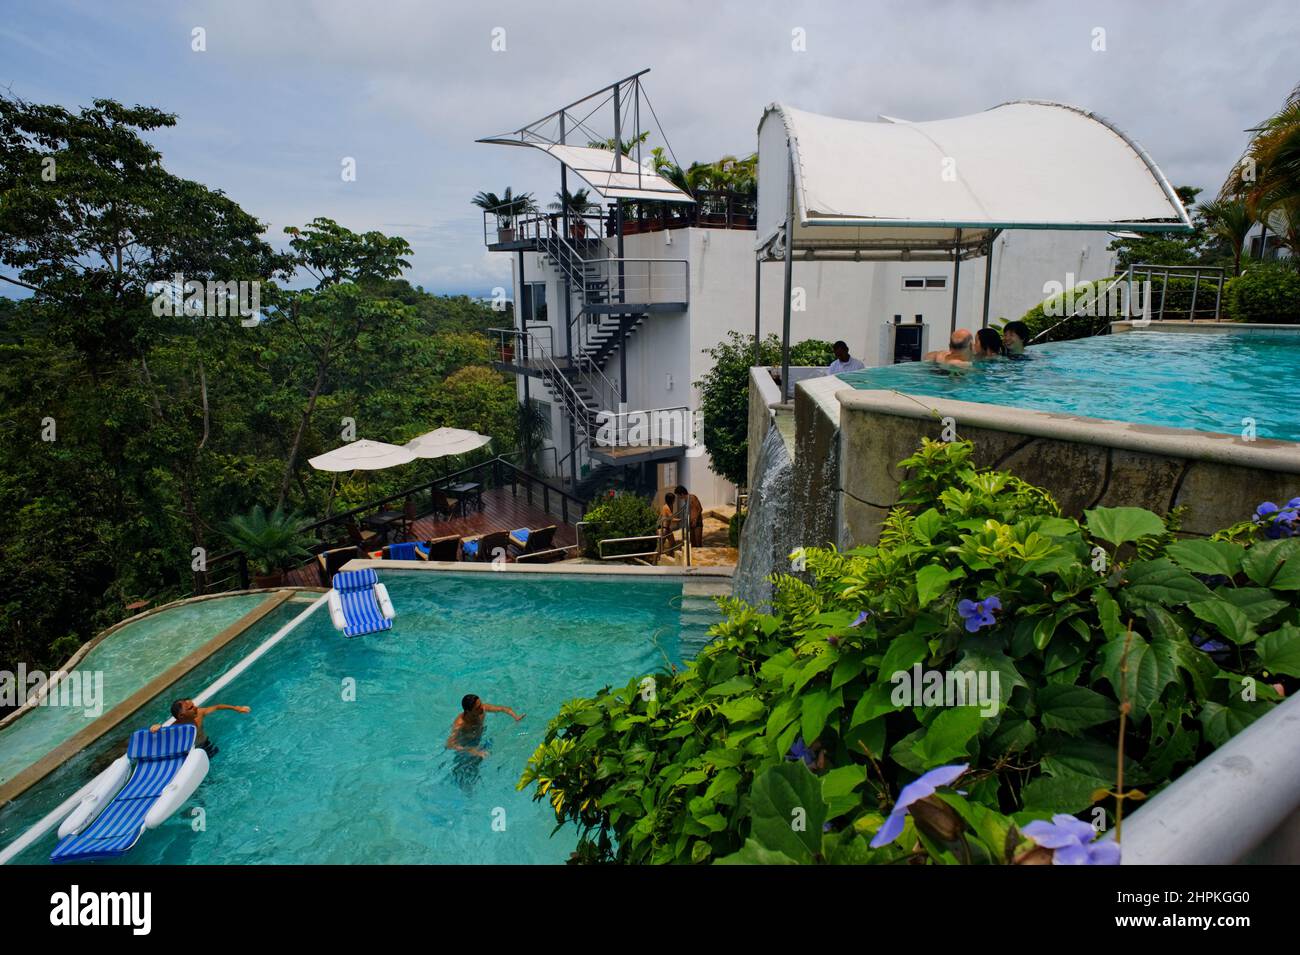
(362, 455)
(441, 442)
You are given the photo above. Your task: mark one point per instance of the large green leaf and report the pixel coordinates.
(1207, 557)
(1120, 525)
(1221, 722)
(743, 708)
(1067, 792)
(752, 853)
(877, 701)
(787, 811)
(1279, 651)
(1148, 673)
(1257, 603)
(1074, 707)
(817, 707)
(1274, 564)
(948, 735)
(1224, 617)
(1160, 581)
(984, 655)
(932, 580)
(904, 652)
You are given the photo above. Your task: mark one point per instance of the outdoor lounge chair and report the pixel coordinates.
(329, 562)
(536, 545)
(485, 546)
(167, 769)
(409, 550)
(359, 603)
(361, 538)
(440, 548)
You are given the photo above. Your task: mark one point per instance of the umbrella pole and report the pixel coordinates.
(329, 501)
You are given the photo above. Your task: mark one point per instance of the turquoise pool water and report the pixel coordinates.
(128, 659)
(1204, 381)
(311, 776)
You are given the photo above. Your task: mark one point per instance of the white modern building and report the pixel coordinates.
(616, 311)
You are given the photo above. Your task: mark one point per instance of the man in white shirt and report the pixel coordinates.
(843, 360)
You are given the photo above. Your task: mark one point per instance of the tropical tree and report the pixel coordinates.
(1229, 220)
(575, 203)
(1267, 178)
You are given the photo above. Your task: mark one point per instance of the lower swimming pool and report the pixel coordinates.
(343, 758)
(1202, 381)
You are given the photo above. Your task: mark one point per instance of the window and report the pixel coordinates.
(919, 282)
(535, 301)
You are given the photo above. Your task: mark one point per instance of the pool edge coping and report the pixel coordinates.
(31, 775)
(623, 570)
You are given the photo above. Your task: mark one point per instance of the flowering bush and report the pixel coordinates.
(1102, 643)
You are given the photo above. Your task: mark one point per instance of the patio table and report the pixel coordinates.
(468, 492)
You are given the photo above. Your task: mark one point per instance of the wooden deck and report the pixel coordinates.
(502, 511)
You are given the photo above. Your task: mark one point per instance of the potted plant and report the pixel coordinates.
(507, 208)
(577, 204)
(271, 541)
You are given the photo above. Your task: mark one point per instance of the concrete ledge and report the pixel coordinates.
(56, 757)
(1264, 453)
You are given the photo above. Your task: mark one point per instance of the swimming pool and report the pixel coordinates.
(343, 758)
(127, 659)
(1206, 382)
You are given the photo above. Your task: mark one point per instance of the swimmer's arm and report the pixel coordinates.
(503, 709)
(222, 706)
(453, 741)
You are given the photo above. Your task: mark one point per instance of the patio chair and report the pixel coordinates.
(485, 546)
(409, 516)
(360, 538)
(441, 548)
(531, 542)
(330, 561)
(442, 504)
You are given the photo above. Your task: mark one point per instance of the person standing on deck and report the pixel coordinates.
(694, 514)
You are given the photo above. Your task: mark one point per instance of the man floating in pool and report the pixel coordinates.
(960, 351)
(467, 728)
(187, 711)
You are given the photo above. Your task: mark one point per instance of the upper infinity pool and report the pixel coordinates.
(343, 758)
(1207, 382)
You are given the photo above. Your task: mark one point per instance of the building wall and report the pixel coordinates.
(852, 301)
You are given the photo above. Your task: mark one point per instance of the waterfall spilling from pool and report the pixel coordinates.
(764, 540)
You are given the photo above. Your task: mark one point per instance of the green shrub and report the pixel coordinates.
(1101, 618)
(1267, 293)
(1177, 300)
(619, 515)
(724, 395)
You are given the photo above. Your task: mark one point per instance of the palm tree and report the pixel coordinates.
(575, 203)
(272, 542)
(1268, 176)
(1230, 221)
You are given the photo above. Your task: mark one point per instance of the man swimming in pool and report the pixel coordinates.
(467, 728)
(187, 711)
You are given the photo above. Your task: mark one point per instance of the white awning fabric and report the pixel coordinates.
(596, 168)
(899, 189)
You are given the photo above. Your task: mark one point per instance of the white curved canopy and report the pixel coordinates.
(597, 167)
(899, 189)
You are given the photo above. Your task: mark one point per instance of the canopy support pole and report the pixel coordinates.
(988, 278)
(785, 307)
(758, 291)
(956, 280)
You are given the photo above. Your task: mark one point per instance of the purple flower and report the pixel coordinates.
(1071, 841)
(918, 789)
(862, 618)
(799, 750)
(979, 613)
(1208, 644)
(1278, 521)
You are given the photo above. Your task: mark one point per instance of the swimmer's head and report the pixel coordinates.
(184, 709)
(470, 703)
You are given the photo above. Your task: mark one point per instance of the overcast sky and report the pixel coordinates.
(285, 90)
